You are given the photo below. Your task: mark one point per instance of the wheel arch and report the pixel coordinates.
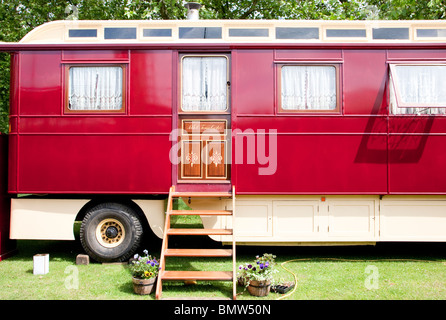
(150, 212)
(126, 202)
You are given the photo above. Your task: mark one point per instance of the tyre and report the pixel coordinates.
(111, 232)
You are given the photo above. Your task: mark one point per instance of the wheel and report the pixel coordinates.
(111, 232)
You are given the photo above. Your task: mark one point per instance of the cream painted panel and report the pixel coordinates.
(413, 220)
(44, 219)
(350, 218)
(253, 219)
(295, 219)
(154, 210)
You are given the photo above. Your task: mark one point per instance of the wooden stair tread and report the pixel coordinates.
(198, 252)
(198, 232)
(197, 275)
(202, 194)
(201, 212)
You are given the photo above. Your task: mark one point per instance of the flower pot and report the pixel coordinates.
(259, 288)
(241, 281)
(143, 286)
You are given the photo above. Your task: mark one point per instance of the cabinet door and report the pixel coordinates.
(295, 219)
(253, 219)
(351, 219)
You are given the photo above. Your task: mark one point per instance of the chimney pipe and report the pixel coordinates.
(193, 10)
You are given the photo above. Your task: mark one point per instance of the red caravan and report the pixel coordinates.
(331, 132)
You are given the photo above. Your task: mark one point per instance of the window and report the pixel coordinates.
(346, 33)
(119, 33)
(238, 32)
(417, 89)
(204, 83)
(309, 88)
(157, 32)
(297, 33)
(391, 33)
(95, 88)
(200, 32)
(83, 33)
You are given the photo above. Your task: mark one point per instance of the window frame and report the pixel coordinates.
(397, 93)
(336, 65)
(228, 83)
(67, 67)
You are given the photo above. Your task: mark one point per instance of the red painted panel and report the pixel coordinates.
(94, 164)
(14, 84)
(95, 55)
(420, 54)
(316, 124)
(417, 124)
(416, 154)
(151, 82)
(416, 164)
(309, 55)
(96, 125)
(12, 162)
(341, 154)
(319, 164)
(252, 85)
(7, 246)
(364, 79)
(40, 83)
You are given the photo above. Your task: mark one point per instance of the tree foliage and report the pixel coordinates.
(18, 17)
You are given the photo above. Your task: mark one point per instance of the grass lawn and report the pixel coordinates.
(385, 272)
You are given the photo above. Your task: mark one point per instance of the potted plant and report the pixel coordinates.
(144, 270)
(257, 276)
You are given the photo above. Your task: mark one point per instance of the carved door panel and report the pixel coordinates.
(203, 151)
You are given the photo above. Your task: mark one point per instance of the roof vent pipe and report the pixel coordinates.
(193, 10)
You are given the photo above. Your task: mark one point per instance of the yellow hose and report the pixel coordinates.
(294, 275)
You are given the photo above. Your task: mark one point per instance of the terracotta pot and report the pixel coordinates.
(259, 288)
(143, 286)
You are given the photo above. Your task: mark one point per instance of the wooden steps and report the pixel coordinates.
(198, 253)
(201, 213)
(202, 194)
(175, 275)
(198, 232)
(197, 275)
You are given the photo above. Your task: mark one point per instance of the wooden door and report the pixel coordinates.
(203, 150)
(204, 118)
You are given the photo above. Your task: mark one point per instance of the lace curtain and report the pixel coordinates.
(418, 85)
(308, 88)
(95, 88)
(204, 84)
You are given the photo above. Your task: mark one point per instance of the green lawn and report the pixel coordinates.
(386, 272)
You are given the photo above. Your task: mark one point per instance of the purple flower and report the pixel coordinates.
(261, 266)
(249, 266)
(254, 269)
